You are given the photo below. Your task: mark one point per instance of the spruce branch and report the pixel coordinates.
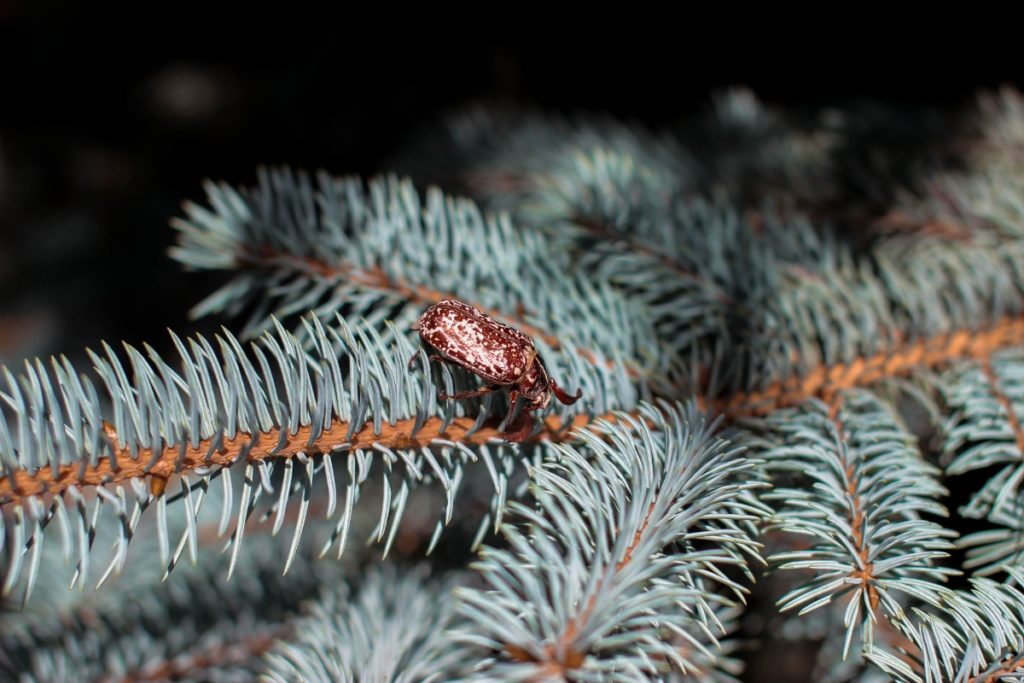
(620, 556)
(388, 432)
(199, 628)
(851, 480)
(609, 215)
(985, 400)
(281, 411)
(496, 153)
(758, 302)
(633, 555)
(374, 249)
(974, 636)
(827, 381)
(719, 286)
(394, 628)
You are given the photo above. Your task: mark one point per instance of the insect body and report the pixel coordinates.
(501, 355)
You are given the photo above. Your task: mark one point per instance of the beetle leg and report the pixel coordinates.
(442, 396)
(520, 429)
(522, 426)
(565, 398)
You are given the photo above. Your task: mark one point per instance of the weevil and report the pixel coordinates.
(499, 354)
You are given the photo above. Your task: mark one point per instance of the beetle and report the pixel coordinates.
(499, 354)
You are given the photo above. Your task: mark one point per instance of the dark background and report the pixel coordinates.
(109, 120)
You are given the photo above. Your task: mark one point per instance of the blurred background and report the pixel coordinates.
(110, 118)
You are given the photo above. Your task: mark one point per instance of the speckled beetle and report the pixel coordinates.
(501, 355)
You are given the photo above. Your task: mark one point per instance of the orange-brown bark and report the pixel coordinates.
(1011, 666)
(866, 572)
(43, 481)
(902, 646)
(375, 278)
(557, 661)
(1004, 402)
(636, 539)
(825, 381)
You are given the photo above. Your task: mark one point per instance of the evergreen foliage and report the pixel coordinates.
(801, 354)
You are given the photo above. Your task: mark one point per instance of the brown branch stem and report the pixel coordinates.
(1011, 666)
(866, 573)
(376, 278)
(396, 436)
(1004, 402)
(215, 656)
(557, 660)
(827, 380)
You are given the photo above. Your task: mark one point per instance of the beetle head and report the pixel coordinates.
(535, 386)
